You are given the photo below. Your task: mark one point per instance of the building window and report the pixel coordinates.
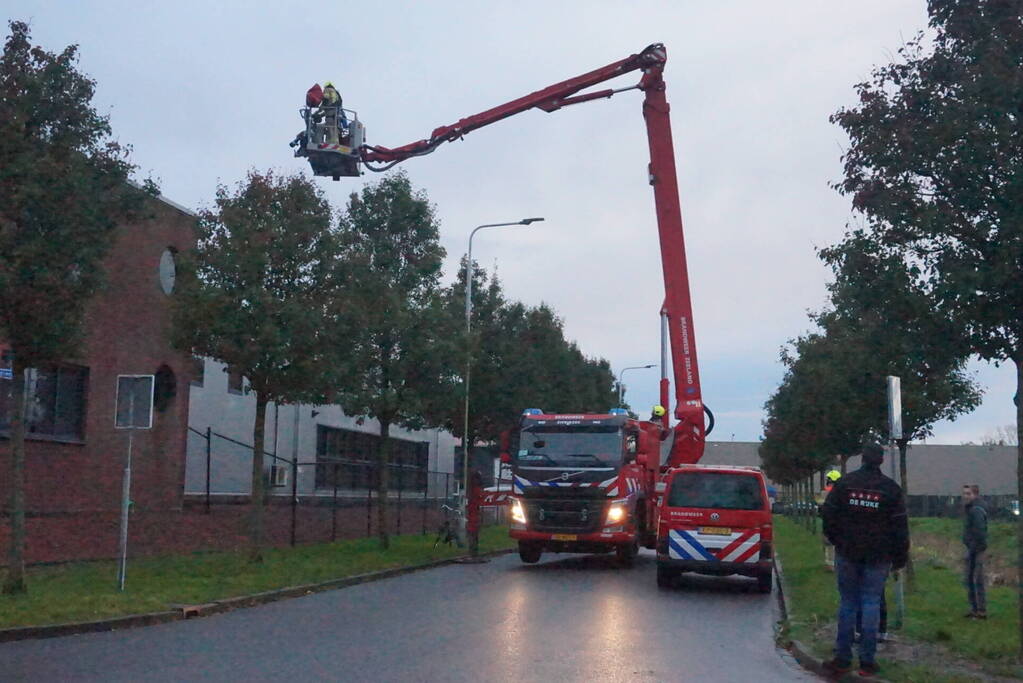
(55, 405)
(198, 370)
(355, 452)
(234, 380)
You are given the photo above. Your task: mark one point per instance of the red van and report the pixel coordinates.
(714, 519)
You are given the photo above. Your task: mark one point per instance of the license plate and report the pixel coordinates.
(564, 537)
(715, 531)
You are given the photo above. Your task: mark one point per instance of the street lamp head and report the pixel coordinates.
(527, 221)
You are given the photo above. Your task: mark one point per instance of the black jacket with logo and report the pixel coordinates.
(865, 518)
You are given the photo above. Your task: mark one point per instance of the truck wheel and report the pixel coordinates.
(665, 577)
(626, 553)
(529, 552)
(765, 581)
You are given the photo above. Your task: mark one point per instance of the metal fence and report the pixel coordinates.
(322, 499)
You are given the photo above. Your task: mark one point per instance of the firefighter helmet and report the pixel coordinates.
(834, 475)
(657, 411)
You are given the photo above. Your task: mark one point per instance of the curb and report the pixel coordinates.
(800, 652)
(183, 612)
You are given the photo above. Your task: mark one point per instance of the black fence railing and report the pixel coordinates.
(328, 498)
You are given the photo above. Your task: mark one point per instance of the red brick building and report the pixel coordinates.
(74, 456)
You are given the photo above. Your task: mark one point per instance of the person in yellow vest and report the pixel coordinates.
(829, 550)
(334, 116)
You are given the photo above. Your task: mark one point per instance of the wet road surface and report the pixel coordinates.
(570, 618)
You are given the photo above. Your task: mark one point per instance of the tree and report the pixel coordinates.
(390, 236)
(63, 191)
(1004, 435)
(262, 293)
(805, 425)
(935, 165)
(885, 315)
(520, 360)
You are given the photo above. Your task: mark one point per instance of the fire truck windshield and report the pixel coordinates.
(575, 446)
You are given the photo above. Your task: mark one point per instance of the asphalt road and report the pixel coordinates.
(570, 618)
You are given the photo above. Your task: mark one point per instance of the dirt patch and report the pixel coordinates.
(930, 655)
(941, 551)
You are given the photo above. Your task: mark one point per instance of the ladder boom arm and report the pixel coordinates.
(548, 99)
(688, 444)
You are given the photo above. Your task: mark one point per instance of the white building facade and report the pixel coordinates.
(221, 417)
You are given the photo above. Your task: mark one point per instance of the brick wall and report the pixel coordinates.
(127, 332)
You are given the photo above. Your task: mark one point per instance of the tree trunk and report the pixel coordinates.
(903, 445)
(1019, 495)
(802, 504)
(258, 477)
(383, 460)
(15, 581)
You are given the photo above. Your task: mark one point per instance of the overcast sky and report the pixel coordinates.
(205, 91)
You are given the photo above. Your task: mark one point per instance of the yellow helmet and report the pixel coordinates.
(834, 475)
(658, 411)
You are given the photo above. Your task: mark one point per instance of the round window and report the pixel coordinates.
(167, 271)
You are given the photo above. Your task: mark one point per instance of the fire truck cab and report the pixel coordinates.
(578, 483)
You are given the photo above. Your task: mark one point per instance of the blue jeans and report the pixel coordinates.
(974, 580)
(860, 586)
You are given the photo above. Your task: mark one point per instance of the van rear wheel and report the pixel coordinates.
(530, 552)
(765, 581)
(665, 577)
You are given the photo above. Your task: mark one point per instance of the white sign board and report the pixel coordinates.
(894, 408)
(134, 402)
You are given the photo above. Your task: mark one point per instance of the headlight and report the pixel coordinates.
(518, 514)
(616, 513)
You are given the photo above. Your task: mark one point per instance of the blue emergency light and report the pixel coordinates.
(617, 411)
(532, 411)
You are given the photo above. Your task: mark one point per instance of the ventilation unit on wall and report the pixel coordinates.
(278, 475)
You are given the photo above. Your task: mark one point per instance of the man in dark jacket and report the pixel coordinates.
(865, 519)
(975, 540)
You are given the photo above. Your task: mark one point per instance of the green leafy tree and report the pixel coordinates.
(63, 191)
(934, 164)
(403, 358)
(889, 326)
(260, 293)
(521, 359)
(804, 429)
(493, 391)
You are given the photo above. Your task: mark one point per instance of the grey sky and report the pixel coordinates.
(205, 91)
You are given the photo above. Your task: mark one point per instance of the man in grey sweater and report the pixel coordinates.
(975, 540)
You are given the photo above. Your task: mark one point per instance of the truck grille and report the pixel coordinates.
(559, 515)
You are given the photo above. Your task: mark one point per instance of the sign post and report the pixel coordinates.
(134, 410)
(894, 434)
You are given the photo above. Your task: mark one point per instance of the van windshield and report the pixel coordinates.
(721, 490)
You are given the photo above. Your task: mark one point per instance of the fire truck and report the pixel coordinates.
(587, 482)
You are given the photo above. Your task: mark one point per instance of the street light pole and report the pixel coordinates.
(468, 364)
(634, 367)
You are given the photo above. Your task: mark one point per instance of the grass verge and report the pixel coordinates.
(87, 591)
(936, 644)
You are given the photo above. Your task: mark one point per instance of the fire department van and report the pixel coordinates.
(714, 519)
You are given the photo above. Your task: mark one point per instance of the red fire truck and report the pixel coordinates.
(582, 483)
